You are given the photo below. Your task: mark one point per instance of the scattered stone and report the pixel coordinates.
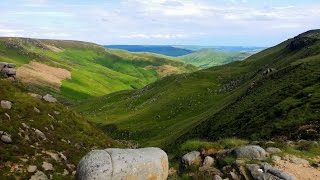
(217, 177)
(49, 98)
(273, 150)
(52, 127)
(36, 110)
(250, 152)
(276, 158)
(8, 116)
(62, 156)
(40, 134)
(56, 112)
(296, 160)
(35, 95)
(192, 158)
(5, 137)
(52, 155)
(208, 161)
(39, 175)
(47, 166)
(210, 171)
(146, 163)
(276, 172)
(6, 104)
(32, 169)
(65, 172)
(25, 125)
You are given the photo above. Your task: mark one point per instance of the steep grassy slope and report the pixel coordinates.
(164, 50)
(66, 132)
(262, 91)
(207, 58)
(95, 71)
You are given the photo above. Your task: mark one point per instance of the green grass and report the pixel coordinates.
(96, 71)
(68, 125)
(233, 100)
(207, 58)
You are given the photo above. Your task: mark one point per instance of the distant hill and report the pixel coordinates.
(74, 70)
(164, 50)
(208, 57)
(245, 49)
(272, 94)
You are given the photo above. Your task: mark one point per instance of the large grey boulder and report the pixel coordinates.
(250, 152)
(192, 158)
(146, 163)
(6, 104)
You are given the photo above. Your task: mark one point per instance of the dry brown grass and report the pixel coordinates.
(38, 73)
(164, 70)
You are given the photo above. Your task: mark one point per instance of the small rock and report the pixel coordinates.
(52, 155)
(217, 177)
(6, 104)
(35, 95)
(39, 175)
(273, 150)
(192, 158)
(36, 110)
(65, 172)
(276, 158)
(40, 134)
(52, 127)
(32, 169)
(6, 138)
(25, 125)
(49, 98)
(56, 112)
(8, 116)
(47, 166)
(208, 161)
(62, 156)
(296, 160)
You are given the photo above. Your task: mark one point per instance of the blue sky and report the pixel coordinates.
(177, 22)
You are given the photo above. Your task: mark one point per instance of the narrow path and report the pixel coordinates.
(299, 171)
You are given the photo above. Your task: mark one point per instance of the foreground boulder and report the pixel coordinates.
(146, 163)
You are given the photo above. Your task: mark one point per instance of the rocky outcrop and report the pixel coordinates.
(8, 70)
(146, 163)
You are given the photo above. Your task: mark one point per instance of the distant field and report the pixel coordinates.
(207, 58)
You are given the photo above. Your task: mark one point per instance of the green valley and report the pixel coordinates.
(83, 70)
(270, 89)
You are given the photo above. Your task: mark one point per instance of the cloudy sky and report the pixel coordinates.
(176, 22)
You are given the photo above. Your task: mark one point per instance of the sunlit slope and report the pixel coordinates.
(94, 70)
(166, 110)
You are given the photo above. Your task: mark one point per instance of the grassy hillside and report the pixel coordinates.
(164, 50)
(270, 89)
(66, 132)
(94, 70)
(208, 57)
